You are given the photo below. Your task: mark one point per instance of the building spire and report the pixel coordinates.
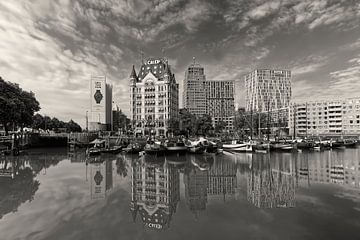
(133, 73)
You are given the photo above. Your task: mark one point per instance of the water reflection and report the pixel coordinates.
(146, 190)
(271, 182)
(155, 192)
(196, 183)
(17, 178)
(101, 178)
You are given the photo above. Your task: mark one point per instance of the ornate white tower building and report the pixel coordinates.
(154, 97)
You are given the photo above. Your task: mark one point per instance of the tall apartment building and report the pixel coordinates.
(155, 193)
(267, 89)
(215, 98)
(220, 102)
(194, 98)
(325, 117)
(154, 97)
(100, 104)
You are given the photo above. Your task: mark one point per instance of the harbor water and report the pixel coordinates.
(56, 194)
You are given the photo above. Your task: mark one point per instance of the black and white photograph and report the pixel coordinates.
(179, 119)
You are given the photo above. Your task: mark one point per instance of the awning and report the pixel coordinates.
(98, 141)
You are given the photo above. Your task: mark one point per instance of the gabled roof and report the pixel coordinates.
(156, 66)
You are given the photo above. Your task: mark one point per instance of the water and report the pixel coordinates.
(56, 195)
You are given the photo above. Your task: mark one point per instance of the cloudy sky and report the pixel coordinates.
(51, 47)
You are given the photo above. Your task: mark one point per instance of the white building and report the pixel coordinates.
(100, 104)
(154, 97)
(267, 89)
(325, 117)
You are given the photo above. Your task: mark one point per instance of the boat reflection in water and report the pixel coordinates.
(155, 191)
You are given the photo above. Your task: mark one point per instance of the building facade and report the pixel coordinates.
(154, 97)
(194, 98)
(100, 104)
(325, 117)
(215, 98)
(220, 102)
(267, 89)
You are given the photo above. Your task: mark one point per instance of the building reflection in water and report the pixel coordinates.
(222, 181)
(196, 182)
(331, 167)
(101, 178)
(155, 192)
(272, 181)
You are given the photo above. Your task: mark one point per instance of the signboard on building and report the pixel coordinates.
(98, 98)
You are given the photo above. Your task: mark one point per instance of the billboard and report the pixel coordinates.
(98, 99)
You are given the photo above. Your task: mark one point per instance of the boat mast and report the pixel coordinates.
(294, 123)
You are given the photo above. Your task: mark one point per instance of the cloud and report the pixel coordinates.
(309, 64)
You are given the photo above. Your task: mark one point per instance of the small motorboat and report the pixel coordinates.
(133, 148)
(93, 151)
(154, 149)
(175, 147)
(196, 149)
(233, 144)
(337, 145)
(287, 147)
(113, 150)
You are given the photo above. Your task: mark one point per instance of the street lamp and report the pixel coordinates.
(87, 121)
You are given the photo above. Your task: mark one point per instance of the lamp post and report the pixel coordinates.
(87, 121)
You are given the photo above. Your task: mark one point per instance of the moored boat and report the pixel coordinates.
(154, 149)
(93, 151)
(175, 147)
(196, 149)
(113, 150)
(133, 148)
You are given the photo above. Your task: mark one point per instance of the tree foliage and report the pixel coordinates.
(17, 106)
(47, 123)
(121, 121)
(220, 126)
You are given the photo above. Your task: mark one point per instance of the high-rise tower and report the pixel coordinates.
(194, 97)
(267, 89)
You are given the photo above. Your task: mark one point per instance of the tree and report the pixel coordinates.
(17, 106)
(247, 123)
(204, 125)
(38, 122)
(72, 126)
(174, 125)
(187, 122)
(45, 123)
(220, 126)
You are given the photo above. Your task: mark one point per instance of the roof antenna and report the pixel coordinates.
(163, 53)
(142, 56)
(194, 60)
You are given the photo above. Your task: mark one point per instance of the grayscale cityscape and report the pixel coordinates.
(179, 119)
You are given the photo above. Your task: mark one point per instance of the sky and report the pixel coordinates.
(52, 47)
